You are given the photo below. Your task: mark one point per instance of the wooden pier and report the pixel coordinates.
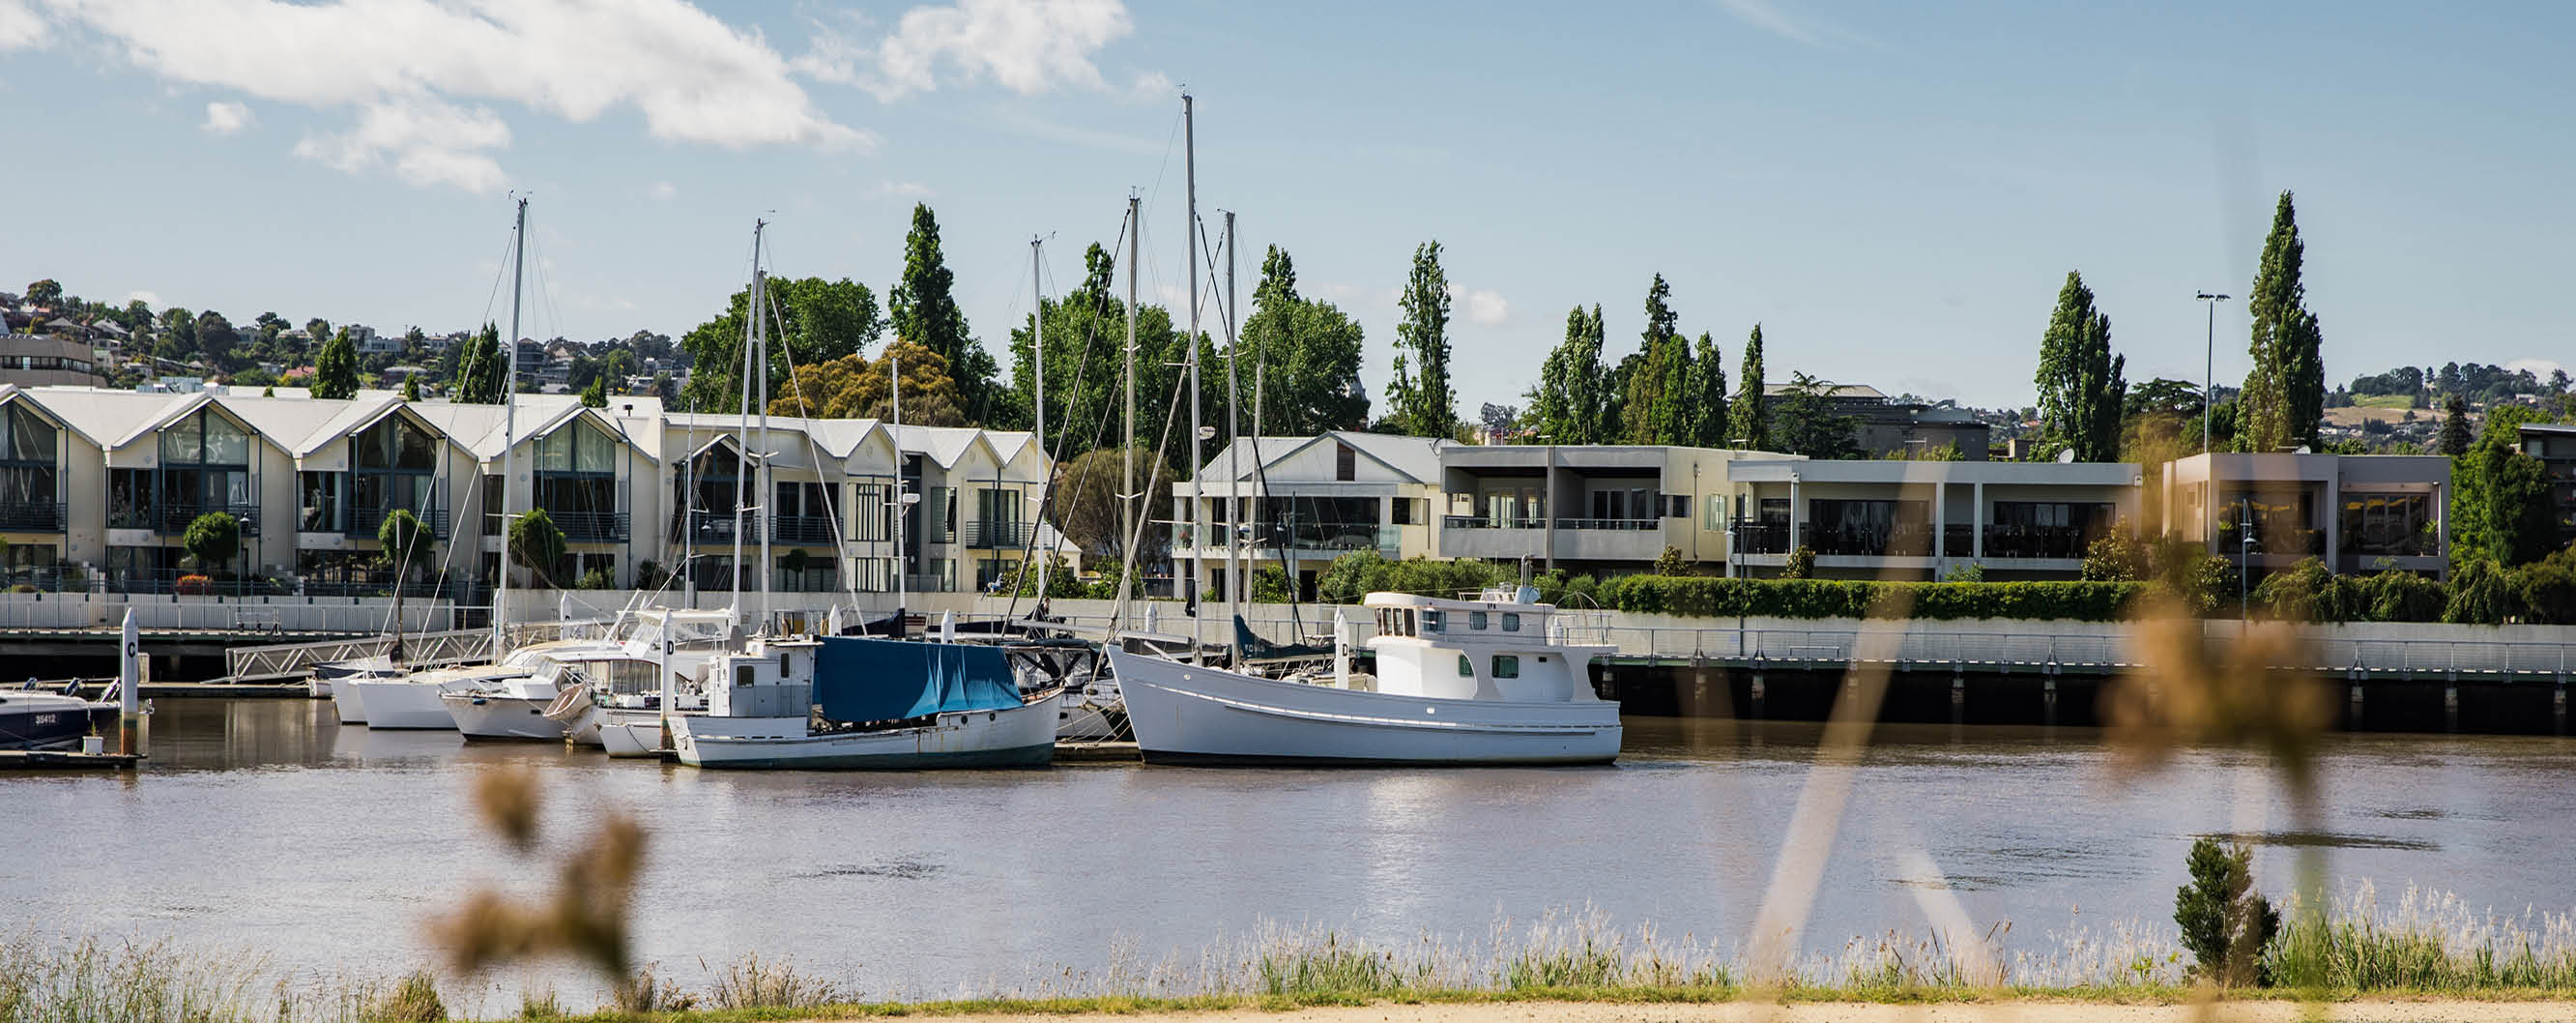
(56, 760)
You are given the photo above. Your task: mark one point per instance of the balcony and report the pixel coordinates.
(173, 519)
(1338, 537)
(1492, 522)
(1002, 535)
(799, 530)
(592, 527)
(1764, 536)
(2062, 542)
(31, 517)
(2271, 541)
(367, 523)
(1902, 541)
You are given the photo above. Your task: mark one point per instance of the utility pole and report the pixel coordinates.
(2209, 368)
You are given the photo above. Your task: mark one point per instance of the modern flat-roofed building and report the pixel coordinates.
(1600, 509)
(1304, 501)
(2554, 444)
(1918, 520)
(2358, 513)
(46, 360)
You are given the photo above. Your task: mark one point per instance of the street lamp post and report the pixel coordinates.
(2209, 368)
(2244, 564)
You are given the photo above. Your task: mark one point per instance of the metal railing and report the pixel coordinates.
(1492, 522)
(592, 527)
(420, 650)
(368, 584)
(32, 517)
(365, 523)
(1617, 524)
(191, 584)
(1002, 535)
(803, 530)
(174, 519)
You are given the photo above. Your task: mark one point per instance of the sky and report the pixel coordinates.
(1895, 191)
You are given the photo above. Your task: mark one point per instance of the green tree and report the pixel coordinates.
(812, 321)
(335, 371)
(44, 294)
(2455, 426)
(1805, 422)
(1424, 403)
(212, 538)
(2284, 398)
(1708, 374)
(483, 369)
(2521, 524)
(1752, 422)
(1659, 403)
(317, 331)
(925, 313)
(411, 387)
(2225, 922)
(1088, 507)
(216, 340)
(407, 545)
(1306, 354)
(596, 395)
(2080, 383)
(1567, 403)
(537, 545)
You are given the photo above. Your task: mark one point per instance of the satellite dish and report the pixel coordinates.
(2066, 457)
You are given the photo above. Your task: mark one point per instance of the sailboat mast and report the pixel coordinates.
(1236, 586)
(742, 426)
(1198, 486)
(1037, 377)
(1127, 461)
(894, 391)
(766, 497)
(509, 430)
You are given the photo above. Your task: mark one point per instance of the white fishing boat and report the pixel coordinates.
(332, 680)
(1457, 682)
(661, 657)
(512, 707)
(848, 703)
(413, 701)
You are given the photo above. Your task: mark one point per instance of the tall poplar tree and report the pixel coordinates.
(924, 311)
(1656, 404)
(1709, 373)
(2081, 385)
(482, 375)
(2284, 398)
(1425, 405)
(1565, 404)
(1752, 420)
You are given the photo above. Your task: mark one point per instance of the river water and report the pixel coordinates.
(265, 825)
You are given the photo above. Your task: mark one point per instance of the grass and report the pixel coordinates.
(2428, 945)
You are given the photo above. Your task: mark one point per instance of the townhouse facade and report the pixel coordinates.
(1922, 520)
(102, 486)
(1300, 502)
(2356, 513)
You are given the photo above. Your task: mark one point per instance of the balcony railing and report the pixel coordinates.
(1492, 522)
(367, 584)
(1760, 536)
(366, 523)
(1904, 541)
(1002, 535)
(802, 530)
(592, 527)
(2288, 542)
(32, 517)
(175, 518)
(1326, 536)
(1636, 525)
(2035, 542)
(195, 583)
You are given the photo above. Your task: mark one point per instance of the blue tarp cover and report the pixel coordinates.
(860, 679)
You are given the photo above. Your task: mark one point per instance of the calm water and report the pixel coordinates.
(262, 824)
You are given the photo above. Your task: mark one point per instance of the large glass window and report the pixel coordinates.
(205, 467)
(396, 461)
(27, 467)
(576, 481)
(320, 502)
(2389, 525)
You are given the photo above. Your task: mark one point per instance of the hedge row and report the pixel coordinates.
(1828, 598)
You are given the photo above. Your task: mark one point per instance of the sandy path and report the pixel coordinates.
(2025, 1012)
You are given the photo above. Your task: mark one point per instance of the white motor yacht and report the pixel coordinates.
(1457, 682)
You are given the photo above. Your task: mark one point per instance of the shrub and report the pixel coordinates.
(649, 575)
(2481, 594)
(2403, 597)
(2114, 558)
(2547, 588)
(212, 538)
(1829, 598)
(1965, 572)
(1360, 573)
(598, 579)
(1270, 586)
(2225, 923)
(23, 588)
(414, 1000)
(1670, 562)
(1801, 564)
(193, 585)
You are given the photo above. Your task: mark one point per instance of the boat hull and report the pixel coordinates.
(401, 704)
(1015, 737)
(488, 716)
(31, 721)
(346, 701)
(1185, 714)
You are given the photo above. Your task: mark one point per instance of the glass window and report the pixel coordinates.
(320, 501)
(1475, 621)
(30, 439)
(554, 452)
(1713, 512)
(1466, 668)
(1507, 666)
(1431, 622)
(1511, 621)
(184, 441)
(226, 444)
(593, 451)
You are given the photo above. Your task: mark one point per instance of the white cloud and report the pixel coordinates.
(1485, 306)
(902, 190)
(1767, 16)
(415, 70)
(2539, 367)
(1026, 46)
(224, 117)
(663, 191)
(22, 27)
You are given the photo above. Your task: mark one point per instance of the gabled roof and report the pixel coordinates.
(1833, 390)
(104, 417)
(12, 392)
(944, 444)
(838, 438)
(1414, 458)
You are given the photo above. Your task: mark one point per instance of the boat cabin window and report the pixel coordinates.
(1476, 621)
(742, 675)
(1511, 621)
(1507, 666)
(782, 664)
(1431, 622)
(1397, 621)
(1466, 668)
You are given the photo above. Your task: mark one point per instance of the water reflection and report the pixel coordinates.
(265, 823)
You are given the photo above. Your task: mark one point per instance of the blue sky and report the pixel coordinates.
(1895, 190)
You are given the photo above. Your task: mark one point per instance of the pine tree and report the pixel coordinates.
(2081, 385)
(924, 310)
(335, 370)
(1424, 404)
(2455, 426)
(1751, 427)
(1565, 405)
(411, 387)
(2284, 397)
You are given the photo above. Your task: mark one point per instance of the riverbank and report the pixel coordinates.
(2054, 1010)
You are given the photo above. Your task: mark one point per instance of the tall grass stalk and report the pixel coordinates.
(2430, 942)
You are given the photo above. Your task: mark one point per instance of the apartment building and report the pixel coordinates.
(1921, 520)
(1303, 501)
(2358, 513)
(102, 486)
(2554, 444)
(1601, 509)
